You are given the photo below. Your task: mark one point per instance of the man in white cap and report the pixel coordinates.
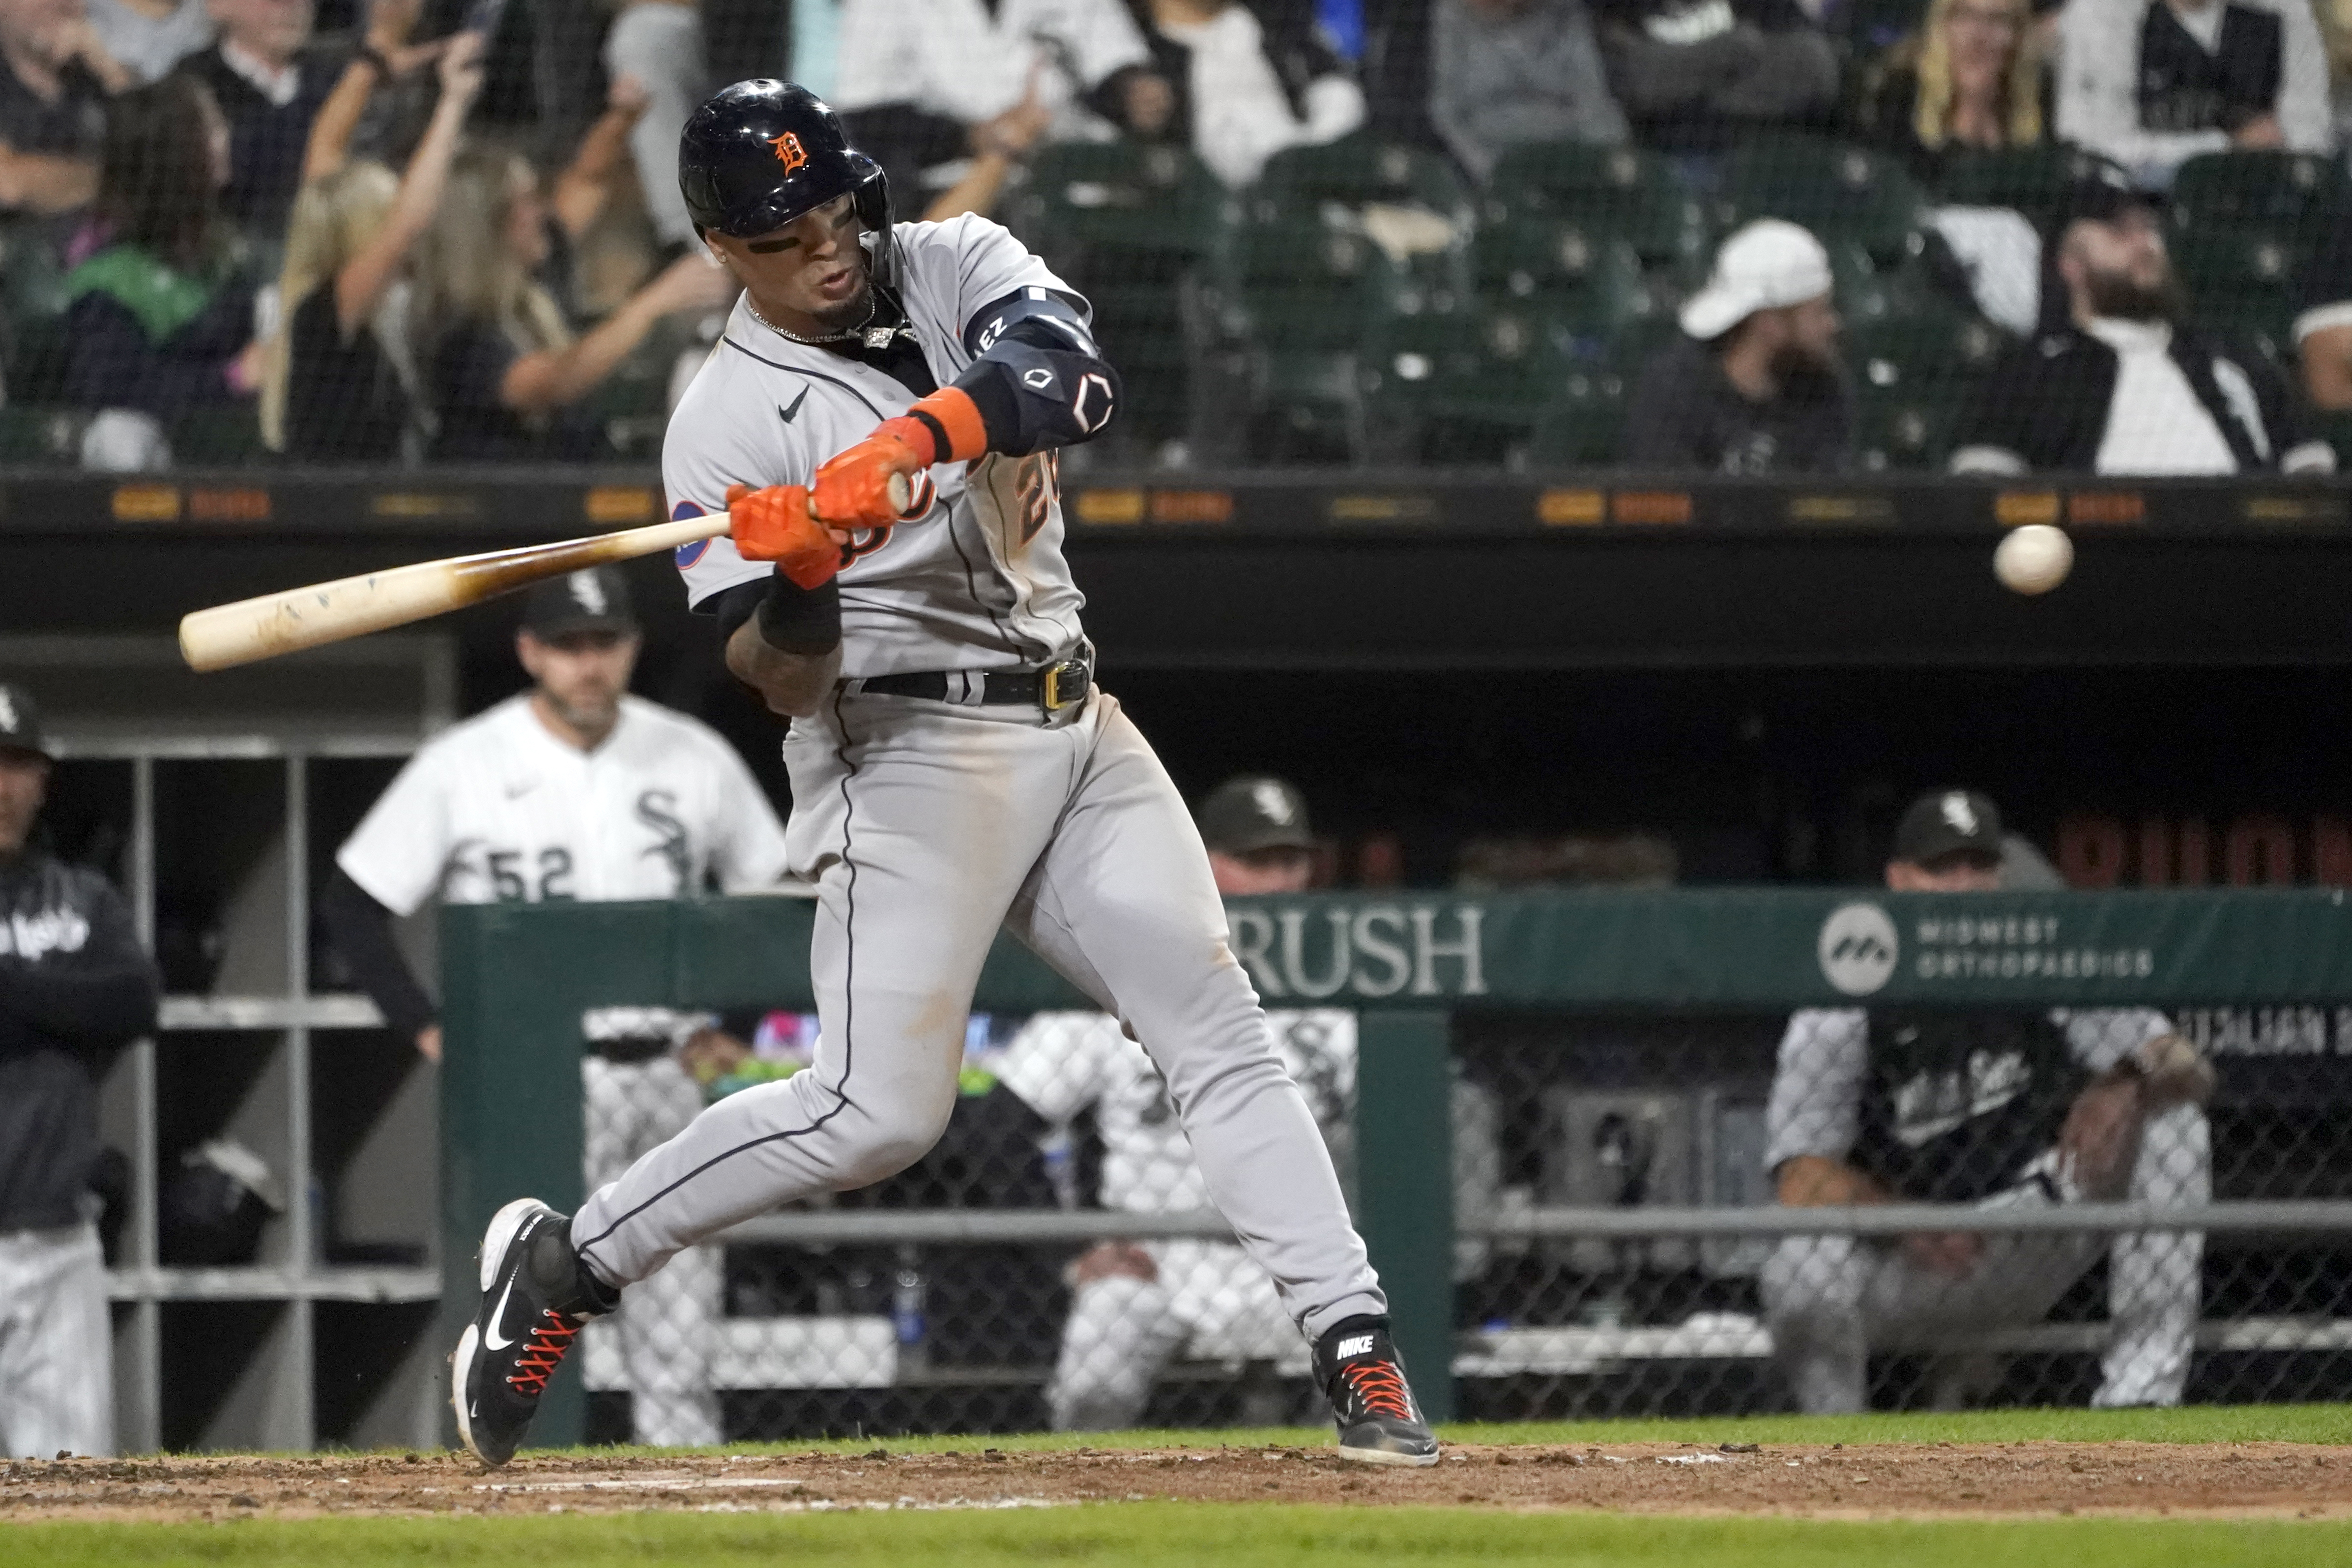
(1755, 386)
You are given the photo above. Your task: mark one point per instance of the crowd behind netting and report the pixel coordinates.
(1747, 236)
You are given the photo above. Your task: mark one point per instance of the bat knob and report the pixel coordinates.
(902, 494)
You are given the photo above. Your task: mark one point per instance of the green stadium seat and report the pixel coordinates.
(2336, 429)
(1911, 378)
(228, 436)
(1836, 190)
(1119, 196)
(34, 436)
(1568, 270)
(2288, 196)
(2032, 180)
(1583, 425)
(1624, 191)
(1467, 386)
(1354, 171)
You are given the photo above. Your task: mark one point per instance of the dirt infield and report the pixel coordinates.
(1878, 1481)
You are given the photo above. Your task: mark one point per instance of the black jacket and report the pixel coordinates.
(75, 986)
(2043, 406)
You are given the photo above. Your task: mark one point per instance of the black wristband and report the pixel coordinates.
(794, 619)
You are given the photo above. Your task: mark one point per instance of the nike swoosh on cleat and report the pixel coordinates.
(490, 1340)
(788, 414)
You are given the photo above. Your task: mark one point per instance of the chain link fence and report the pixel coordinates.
(1053, 1262)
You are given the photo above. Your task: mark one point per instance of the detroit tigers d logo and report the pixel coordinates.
(790, 152)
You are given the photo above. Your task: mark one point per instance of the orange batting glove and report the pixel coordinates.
(853, 488)
(774, 524)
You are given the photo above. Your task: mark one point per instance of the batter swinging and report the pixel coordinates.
(953, 769)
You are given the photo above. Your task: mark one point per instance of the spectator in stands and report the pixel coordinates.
(925, 86)
(2152, 83)
(2126, 387)
(658, 44)
(161, 322)
(1755, 386)
(269, 80)
(1970, 79)
(75, 987)
(1689, 72)
(1509, 71)
(55, 77)
(1134, 1306)
(1248, 82)
(500, 363)
(2323, 332)
(2022, 1108)
(150, 37)
(339, 382)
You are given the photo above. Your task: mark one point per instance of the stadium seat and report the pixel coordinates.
(1836, 190)
(219, 437)
(1468, 386)
(2032, 180)
(1120, 197)
(1911, 378)
(1583, 425)
(1563, 270)
(1624, 191)
(2290, 196)
(41, 437)
(1354, 171)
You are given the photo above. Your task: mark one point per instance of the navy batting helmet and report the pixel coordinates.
(760, 154)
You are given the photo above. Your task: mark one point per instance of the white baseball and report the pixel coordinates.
(2034, 559)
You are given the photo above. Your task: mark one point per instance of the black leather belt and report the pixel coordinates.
(1052, 688)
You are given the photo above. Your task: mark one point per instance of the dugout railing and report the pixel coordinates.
(1529, 1296)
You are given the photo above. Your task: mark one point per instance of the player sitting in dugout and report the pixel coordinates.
(1994, 1109)
(1134, 1306)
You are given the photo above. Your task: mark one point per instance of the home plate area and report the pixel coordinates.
(1874, 1480)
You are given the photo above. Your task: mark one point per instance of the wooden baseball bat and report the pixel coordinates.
(229, 634)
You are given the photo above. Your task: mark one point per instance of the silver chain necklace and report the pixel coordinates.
(877, 339)
(840, 337)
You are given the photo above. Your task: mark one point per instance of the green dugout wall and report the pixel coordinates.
(516, 978)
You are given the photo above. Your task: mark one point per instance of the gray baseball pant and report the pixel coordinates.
(56, 1354)
(927, 827)
(1828, 1298)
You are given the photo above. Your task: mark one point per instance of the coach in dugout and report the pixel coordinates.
(576, 789)
(1993, 1109)
(74, 988)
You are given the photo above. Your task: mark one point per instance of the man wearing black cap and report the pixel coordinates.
(2124, 385)
(1256, 832)
(573, 790)
(1991, 1109)
(75, 987)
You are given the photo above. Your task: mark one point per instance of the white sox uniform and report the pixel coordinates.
(928, 825)
(1208, 1300)
(498, 809)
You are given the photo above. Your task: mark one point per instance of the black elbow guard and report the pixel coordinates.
(1039, 382)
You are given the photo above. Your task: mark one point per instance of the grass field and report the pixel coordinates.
(2207, 1448)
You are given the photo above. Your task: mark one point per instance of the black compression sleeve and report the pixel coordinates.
(361, 929)
(793, 619)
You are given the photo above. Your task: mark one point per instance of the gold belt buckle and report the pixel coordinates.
(1055, 675)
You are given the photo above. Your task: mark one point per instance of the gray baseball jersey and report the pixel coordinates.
(929, 826)
(497, 809)
(976, 580)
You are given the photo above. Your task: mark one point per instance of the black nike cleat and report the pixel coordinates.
(1379, 1424)
(535, 1296)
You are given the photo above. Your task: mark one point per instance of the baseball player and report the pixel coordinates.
(74, 988)
(954, 769)
(576, 789)
(1990, 1107)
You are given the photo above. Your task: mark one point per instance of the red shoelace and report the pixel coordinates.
(549, 1338)
(1380, 1388)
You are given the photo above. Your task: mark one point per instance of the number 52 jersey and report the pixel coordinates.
(497, 810)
